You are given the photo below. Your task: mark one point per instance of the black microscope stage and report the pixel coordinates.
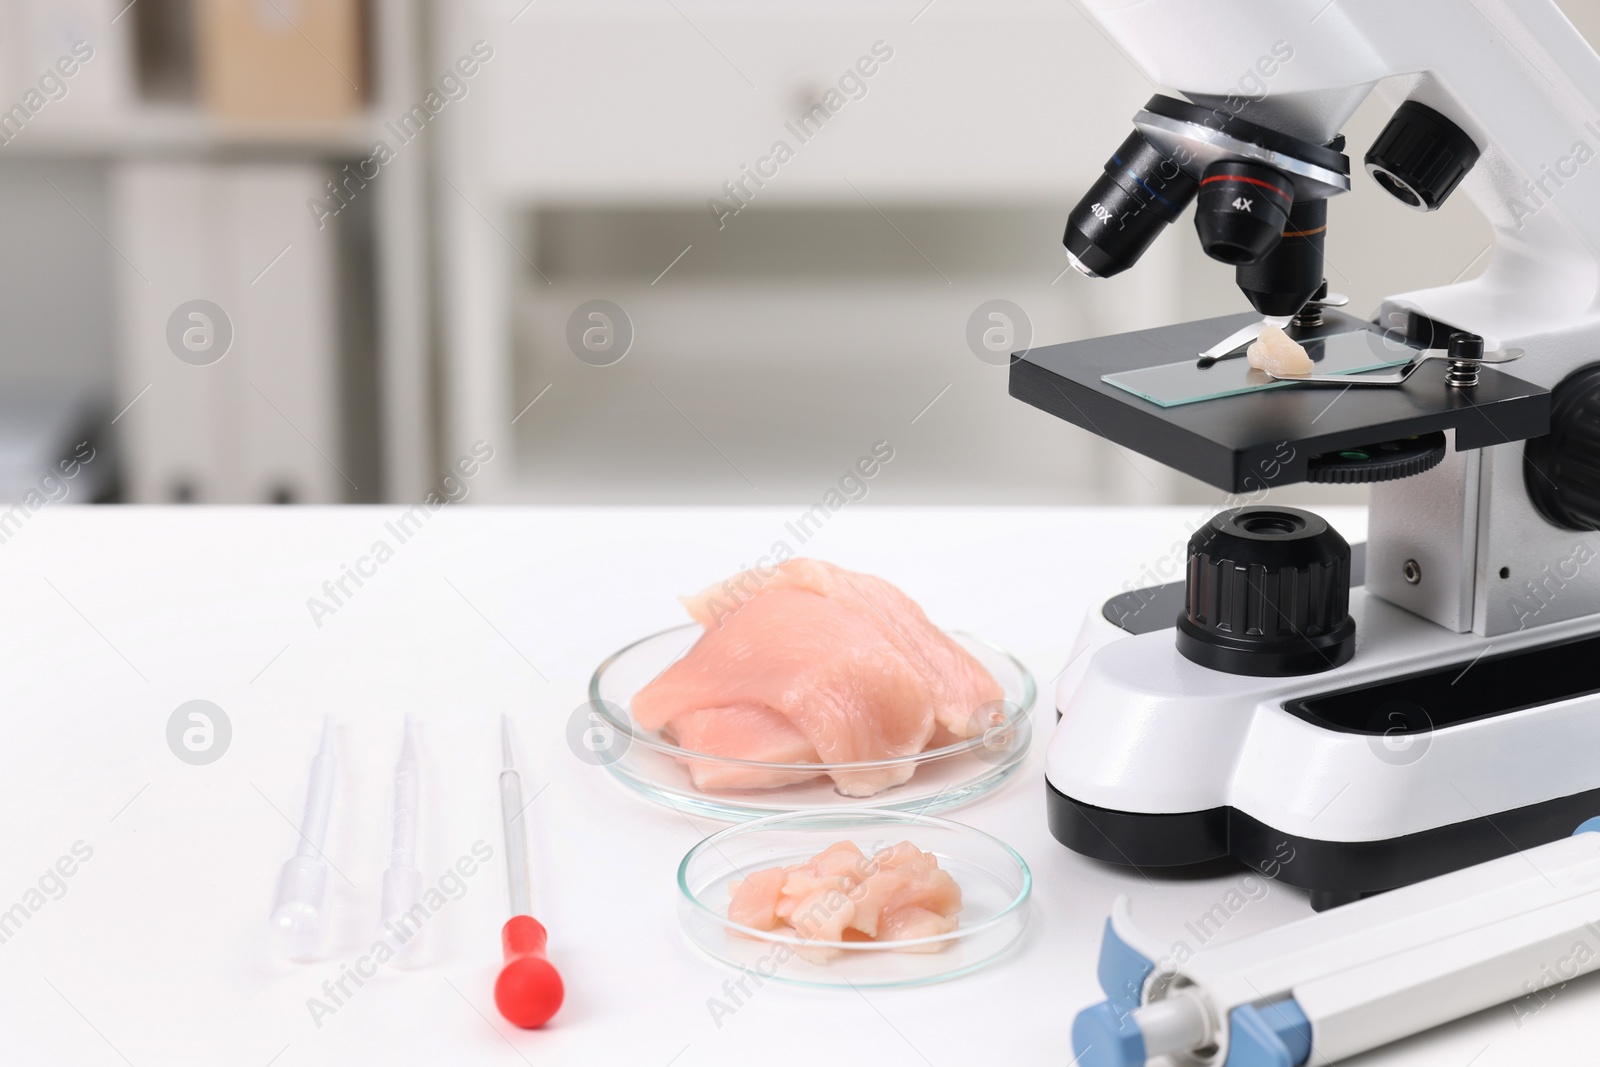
(1246, 443)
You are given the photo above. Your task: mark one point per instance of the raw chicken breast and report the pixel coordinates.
(825, 668)
(958, 683)
(839, 895)
(743, 731)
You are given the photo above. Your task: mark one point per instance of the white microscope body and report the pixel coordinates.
(1158, 760)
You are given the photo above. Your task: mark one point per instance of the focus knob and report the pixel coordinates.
(1562, 468)
(1421, 156)
(1268, 594)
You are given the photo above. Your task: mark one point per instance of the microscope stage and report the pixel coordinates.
(1248, 442)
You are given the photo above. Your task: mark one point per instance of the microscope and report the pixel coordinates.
(1347, 719)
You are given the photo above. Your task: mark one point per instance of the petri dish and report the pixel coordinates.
(995, 887)
(942, 778)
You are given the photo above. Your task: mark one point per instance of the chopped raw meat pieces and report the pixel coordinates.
(897, 894)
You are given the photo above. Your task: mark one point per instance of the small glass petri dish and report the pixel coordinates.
(995, 886)
(942, 778)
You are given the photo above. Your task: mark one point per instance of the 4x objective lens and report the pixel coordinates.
(1242, 211)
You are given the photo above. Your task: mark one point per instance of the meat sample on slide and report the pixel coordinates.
(1278, 353)
(842, 895)
(810, 663)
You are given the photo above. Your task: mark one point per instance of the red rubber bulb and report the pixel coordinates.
(528, 991)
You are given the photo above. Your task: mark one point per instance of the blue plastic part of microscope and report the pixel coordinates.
(1273, 1035)
(1592, 826)
(1106, 1036)
(1122, 971)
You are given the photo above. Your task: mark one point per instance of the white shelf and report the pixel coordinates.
(164, 130)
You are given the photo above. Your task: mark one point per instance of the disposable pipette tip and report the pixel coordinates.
(408, 747)
(299, 913)
(403, 882)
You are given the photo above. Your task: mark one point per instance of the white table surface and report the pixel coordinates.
(156, 953)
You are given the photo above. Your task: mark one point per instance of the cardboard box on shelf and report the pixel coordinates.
(280, 59)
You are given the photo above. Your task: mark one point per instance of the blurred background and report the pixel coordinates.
(581, 251)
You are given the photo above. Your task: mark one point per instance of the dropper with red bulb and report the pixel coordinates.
(529, 990)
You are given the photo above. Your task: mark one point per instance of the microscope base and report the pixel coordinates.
(1335, 872)
(1429, 751)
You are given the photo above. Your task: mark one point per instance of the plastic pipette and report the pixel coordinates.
(402, 882)
(299, 911)
(528, 991)
(1344, 981)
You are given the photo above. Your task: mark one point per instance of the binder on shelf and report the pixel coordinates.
(238, 397)
(78, 53)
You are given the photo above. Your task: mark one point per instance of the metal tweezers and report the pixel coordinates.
(1505, 355)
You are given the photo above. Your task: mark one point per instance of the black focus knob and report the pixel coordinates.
(1421, 156)
(1382, 462)
(1268, 594)
(1562, 468)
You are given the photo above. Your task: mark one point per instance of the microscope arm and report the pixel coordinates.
(1513, 74)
